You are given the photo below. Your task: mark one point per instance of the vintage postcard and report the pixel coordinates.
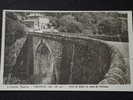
(67, 50)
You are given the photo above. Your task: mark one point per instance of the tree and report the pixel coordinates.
(14, 28)
(88, 21)
(68, 23)
(110, 26)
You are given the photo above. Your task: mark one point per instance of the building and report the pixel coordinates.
(39, 23)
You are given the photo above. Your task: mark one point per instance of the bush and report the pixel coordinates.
(69, 24)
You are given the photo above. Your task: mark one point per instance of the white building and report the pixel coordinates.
(39, 23)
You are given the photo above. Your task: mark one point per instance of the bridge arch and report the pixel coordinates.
(44, 66)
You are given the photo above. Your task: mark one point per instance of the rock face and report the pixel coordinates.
(11, 54)
(14, 42)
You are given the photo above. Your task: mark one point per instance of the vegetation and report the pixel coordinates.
(15, 31)
(90, 23)
(14, 28)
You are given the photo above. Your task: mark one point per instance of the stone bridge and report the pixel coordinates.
(60, 58)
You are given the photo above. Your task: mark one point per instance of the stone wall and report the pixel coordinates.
(71, 62)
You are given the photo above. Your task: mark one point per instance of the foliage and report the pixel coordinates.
(68, 23)
(107, 23)
(91, 23)
(14, 28)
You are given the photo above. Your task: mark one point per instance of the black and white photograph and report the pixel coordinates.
(65, 48)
